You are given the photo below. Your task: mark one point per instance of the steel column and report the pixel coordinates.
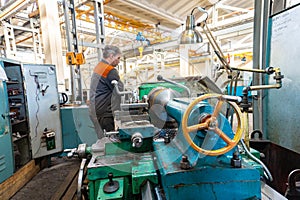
(72, 41)
(259, 58)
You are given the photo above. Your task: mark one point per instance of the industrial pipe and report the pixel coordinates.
(278, 77)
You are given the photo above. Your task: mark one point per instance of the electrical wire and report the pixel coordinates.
(37, 92)
(267, 173)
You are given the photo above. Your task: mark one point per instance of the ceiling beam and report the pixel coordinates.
(155, 11)
(233, 8)
(13, 8)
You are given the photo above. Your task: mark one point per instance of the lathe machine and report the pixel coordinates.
(172, 148)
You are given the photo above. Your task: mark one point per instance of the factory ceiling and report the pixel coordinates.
(159, 21)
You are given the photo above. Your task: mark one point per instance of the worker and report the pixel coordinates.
(104, 99)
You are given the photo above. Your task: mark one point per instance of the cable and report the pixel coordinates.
(37, 92)
(267, 173)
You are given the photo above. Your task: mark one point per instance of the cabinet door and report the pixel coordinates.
(6, 151)
(43, 109)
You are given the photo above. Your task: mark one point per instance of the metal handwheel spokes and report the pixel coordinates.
(211, 123)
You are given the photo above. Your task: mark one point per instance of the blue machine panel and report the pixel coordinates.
(6, 149)
(206, 180)
(77, 127)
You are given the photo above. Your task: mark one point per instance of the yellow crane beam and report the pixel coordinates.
(119, 22)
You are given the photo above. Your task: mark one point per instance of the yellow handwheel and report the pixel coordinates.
(211, 123)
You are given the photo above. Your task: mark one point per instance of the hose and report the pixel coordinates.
(266, 170)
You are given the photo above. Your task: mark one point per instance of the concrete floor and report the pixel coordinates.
(44, 185)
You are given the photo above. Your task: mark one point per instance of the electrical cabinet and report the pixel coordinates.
(6, 148)
(15, 96)
(30, 125)
(43, 109)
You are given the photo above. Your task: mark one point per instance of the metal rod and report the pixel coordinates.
(160, 78)
(236, 99)
(216, 47)
(69, 44)
(249, 70)
(261, 87)
(246, 130)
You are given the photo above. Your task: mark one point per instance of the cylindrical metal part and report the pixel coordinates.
(158, 99)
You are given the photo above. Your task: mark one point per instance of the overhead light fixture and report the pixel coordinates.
(191, 36)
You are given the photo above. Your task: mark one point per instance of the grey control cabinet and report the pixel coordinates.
(43, 109)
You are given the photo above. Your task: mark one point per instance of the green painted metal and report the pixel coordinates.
(145, 88)
(142, 172)
(134, 168)
(101, 166)
(126, 146)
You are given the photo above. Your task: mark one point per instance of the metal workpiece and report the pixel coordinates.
(160, 96)
(158, 99)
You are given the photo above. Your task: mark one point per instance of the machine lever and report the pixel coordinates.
(161, 78)
(115, 83)
(236, 99)
(111, 186)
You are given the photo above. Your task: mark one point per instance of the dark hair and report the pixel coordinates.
(109, 49)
